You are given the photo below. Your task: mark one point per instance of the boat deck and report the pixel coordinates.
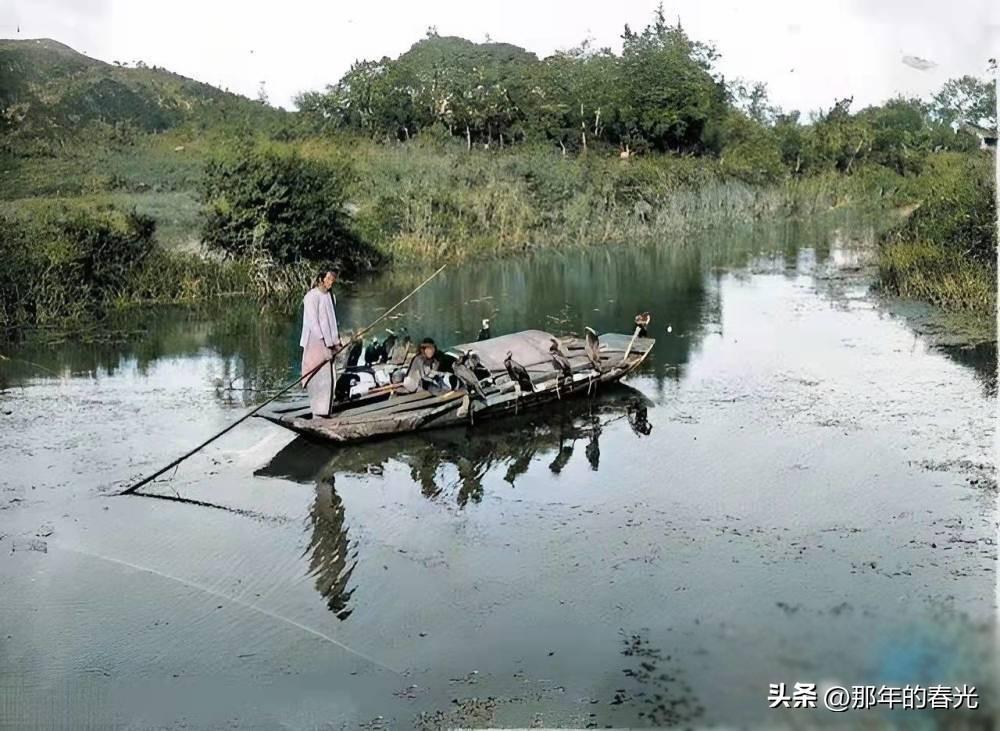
(386, 411)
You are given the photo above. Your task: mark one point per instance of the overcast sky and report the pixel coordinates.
(809, 53)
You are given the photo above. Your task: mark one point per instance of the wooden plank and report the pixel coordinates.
(402, 408)
(382, 404)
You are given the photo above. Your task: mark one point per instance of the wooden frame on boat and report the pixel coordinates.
(384, 411)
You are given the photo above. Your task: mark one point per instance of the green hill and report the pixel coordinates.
(48, 90)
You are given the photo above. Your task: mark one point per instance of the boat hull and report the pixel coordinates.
(392, 414)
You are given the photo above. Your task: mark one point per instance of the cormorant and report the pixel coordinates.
(373, 352)
(354, 354)
(482, 372)
(388, 345)
(518, 373)
(559, 359)
(484, 334)
(642, 322)
(465, 375)
(592, 346)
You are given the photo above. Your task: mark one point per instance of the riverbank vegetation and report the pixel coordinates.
(455, 150)
(946, 251)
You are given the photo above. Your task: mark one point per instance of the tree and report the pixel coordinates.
(966, 99)
(671, 96)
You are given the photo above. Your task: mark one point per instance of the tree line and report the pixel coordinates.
(662, 93)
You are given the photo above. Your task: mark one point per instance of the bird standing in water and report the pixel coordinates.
(465, 375)
(592, 347)
(484, 333)
(518, 373)
(559, 359)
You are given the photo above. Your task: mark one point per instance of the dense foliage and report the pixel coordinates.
(282, 205)
(661, 93)
(946, 251)
(63, 263)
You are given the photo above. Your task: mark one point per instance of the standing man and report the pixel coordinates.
(320, 337)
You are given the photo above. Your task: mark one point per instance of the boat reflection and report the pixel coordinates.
(507, 446)
(512, 443)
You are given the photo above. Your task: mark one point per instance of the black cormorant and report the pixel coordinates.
(559, 359)
(354, 354)
(373, 352)
(518, 373)
(388, 344)
(484, 334)
(465, 374)
(592, 346)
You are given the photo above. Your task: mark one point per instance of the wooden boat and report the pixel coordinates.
(384, 411)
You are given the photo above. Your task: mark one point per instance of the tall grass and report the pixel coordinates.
(938, 274)
(946, 251)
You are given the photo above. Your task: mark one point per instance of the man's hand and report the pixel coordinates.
(330, 354)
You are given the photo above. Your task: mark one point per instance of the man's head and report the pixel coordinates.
(326, 279)
(427, 348)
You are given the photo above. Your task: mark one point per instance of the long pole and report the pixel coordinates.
(146, 480)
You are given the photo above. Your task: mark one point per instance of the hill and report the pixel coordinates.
(50, 91)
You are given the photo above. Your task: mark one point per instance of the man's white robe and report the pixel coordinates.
(319, 334)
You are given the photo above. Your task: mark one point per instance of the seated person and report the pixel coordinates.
(426, 371)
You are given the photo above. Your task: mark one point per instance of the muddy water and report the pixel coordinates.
(795, 488)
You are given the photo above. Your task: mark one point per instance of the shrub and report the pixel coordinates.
(283, 205)
(63, 263)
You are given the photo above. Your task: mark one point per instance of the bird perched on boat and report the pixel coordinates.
(559, 359)
(467, 377)
(373, 352)
(354, 354)
(642, 322)
(484, 333)
(388, 344)
(482, 372)
(518, 373)
(592, 347)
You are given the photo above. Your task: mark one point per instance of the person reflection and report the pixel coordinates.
(330, 562)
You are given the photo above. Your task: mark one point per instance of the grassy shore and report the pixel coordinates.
(422, 203)
(945, 252)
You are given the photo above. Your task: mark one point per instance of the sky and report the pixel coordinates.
(809, 53)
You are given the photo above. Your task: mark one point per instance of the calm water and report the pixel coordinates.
(794, 488)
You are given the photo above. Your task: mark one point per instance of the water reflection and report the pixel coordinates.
(248, 351)
(331, 562)
(471, 453)
(981, 358)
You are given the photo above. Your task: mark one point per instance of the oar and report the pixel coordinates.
(286, 389)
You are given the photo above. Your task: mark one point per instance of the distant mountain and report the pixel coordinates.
(49, 89)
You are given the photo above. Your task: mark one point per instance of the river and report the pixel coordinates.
(795, 487)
